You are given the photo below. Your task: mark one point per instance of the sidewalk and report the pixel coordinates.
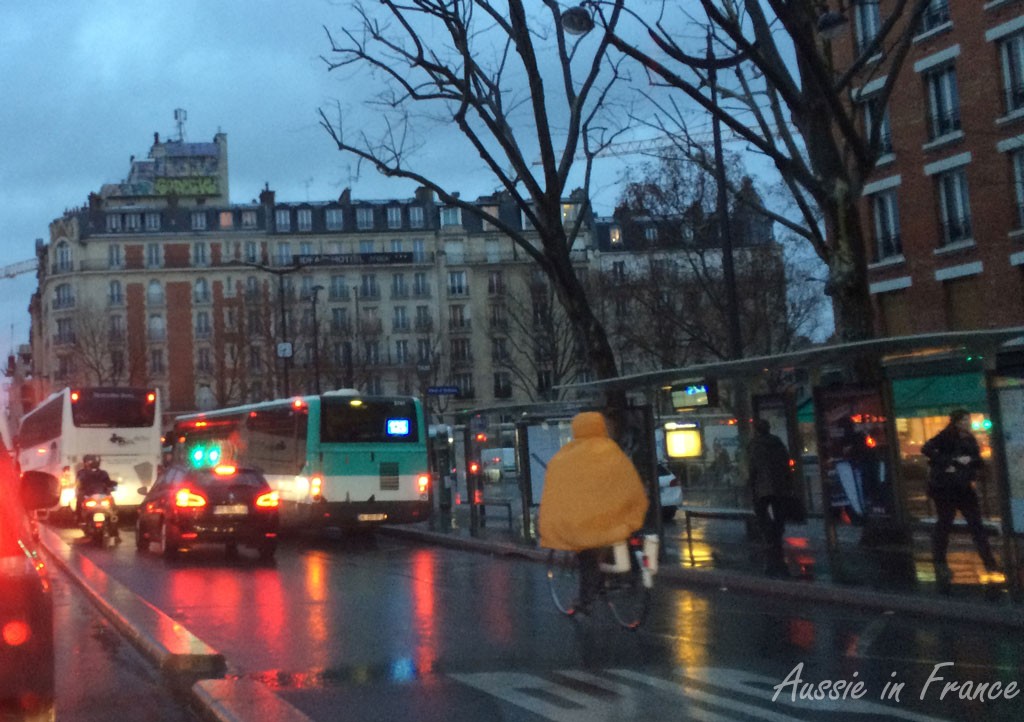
(897, 578)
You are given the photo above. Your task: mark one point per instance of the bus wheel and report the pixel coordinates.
(141, 543)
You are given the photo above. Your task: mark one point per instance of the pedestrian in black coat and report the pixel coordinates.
(955, 458)
(771, 487)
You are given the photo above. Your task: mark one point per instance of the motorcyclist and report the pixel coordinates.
(91, 479)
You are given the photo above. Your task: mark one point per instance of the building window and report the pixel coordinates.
(396, 245)
(199, 221)
(1011, 53)
(502, 385)
(338, 290)
(132, 221)
(114, 294)
(935, 15)
(399, 288)
(113, 222)
(394, 216)
(887, 227)
(954, 206)
(371, 352)
(495, 283)
(156, 361)
(368, 287)
(201, 254)
(115, 258)
(491, 211)
(402, 351)
(451, 216)
(283, 219)
(339, 320)
(1017, 159)
(570, 212)
(455, 252)
(115, 328)
(154, 259)
(400, 320)
(248, 219)
(458, 284)
(366, 246)
(364, 218)
(63, 298)
(255, 359)
(460, 350)
(305, 218)
(423, 322)
(63, 257)
(335, 219)
(868, 20)
(155, 293)
(155, 329)
(464, 382)
(416, 216)
(458, 318)
(499, 350)
(943, 102)
(305, 248)
(203, 327)
(284, 253)
(252, 252)
(152, 221)
(419, 252)
(424, 353)
(227, 220)
(202, 291)
(65, 331)
(651, 234)
(615, 235)
(618, 271)
(873, 111)
(204, 362)
(254, 321)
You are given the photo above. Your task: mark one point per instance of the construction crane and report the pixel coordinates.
(16, 269)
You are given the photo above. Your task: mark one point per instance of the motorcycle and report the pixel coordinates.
(98, 518)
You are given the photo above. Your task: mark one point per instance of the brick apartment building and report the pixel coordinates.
(944, 208)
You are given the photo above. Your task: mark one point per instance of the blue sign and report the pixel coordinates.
(443, 390)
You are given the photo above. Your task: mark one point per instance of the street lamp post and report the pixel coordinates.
(284, 347)
(316, 340)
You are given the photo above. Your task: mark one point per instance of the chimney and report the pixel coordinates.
(267, 195)
(424, 195)
(346, 197)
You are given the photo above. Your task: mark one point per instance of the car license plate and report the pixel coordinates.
(372, 517)
(231, 510)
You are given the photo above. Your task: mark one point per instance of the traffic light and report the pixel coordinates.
(204, 455)
(474, 467)
(481, 438)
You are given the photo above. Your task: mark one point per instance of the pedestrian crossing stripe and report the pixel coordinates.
(713, 694)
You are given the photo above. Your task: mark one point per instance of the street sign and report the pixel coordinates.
(284, 350)
(443, 390)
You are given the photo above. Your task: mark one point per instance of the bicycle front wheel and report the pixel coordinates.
(628, 597)
(564, 580)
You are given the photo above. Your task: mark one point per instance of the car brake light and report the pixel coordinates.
(224, 470)
(423, 481)
(185, 498)
(92, 503)
(269, 500)
(16, 632)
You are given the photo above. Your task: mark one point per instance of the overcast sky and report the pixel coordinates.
(86, 85)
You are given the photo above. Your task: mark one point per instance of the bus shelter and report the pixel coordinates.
(814, 401)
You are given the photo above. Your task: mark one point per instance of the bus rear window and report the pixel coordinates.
(113, 408)
(371, 422)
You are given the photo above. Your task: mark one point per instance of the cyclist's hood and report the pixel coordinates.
(589, 424)
(592, 495)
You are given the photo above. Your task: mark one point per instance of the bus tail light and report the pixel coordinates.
(423, 483)
(186, 499)
(316, 487)
(269, 500)
(16, 632)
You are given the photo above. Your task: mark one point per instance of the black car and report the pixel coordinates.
(26, 605)
(220, 505)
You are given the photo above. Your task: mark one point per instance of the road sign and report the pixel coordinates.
(443, 390)
(284, 350)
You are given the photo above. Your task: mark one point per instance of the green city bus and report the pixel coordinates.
(341, 459)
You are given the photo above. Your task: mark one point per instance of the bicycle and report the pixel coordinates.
(627, 577)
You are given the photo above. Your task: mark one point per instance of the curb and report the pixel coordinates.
(828, 593)
(178, 653)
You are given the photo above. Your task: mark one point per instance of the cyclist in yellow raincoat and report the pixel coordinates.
(593, 497)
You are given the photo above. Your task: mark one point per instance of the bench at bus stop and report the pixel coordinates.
(710, 512)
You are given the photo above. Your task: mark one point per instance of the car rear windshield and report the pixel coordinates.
(247, 478)
(372, 421)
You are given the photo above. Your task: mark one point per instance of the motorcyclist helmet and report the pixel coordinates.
(91, 461)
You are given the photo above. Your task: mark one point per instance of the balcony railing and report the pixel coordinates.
(956, 230)
(941, 124)
(888, 246)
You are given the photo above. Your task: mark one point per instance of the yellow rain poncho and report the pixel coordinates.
(593, 496)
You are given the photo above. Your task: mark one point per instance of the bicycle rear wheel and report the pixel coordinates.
(628, 597)
(564, 580)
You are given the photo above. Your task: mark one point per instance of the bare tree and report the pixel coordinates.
(788, 101)
(516, 91)
(535, 341)
(98, 348)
